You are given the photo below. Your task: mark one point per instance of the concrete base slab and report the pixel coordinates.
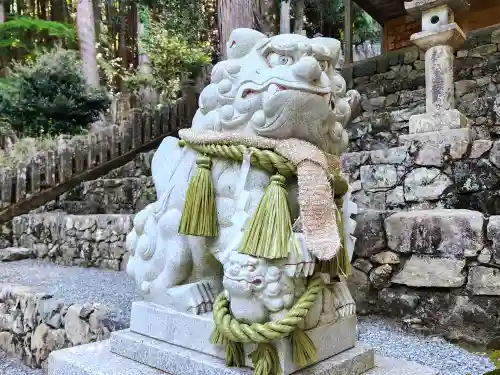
(391, 366)
(193, 332)
(431, 122)
(96, 359)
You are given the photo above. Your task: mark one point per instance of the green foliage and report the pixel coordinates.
(182, 17)
(332, 12)
(170, 55)
(27, 34)
(48, 96)
(494, 357)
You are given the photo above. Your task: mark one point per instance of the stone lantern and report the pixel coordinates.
(439, 39)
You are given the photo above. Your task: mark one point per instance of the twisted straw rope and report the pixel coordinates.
(264, 159)
(258, 333)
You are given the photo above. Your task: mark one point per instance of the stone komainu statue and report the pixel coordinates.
(252, 221)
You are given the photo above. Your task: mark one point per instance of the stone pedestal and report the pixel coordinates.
(164, 340)
(177, 360)
(439, 86)
(193, 332)
(431, 122)
(161, 340)
(442, 125)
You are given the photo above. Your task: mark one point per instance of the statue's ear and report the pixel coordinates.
(242, 41)
(332, 45)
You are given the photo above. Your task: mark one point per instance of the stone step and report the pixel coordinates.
(96, 359)
(140, 166)
(46, 307)
(81, 240)
(108, 196)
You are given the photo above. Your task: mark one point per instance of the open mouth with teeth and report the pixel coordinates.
(277, 87)
(256, 281)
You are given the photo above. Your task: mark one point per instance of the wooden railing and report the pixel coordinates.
(52, 173)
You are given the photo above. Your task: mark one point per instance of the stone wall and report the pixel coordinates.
(393, 88)
(462, 176)
(438, 270)
(429, 224)
(125, 190)
(80, 240)
(32, 324)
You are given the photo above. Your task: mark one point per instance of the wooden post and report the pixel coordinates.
(348, 31)
(285, 17)
(383, 41)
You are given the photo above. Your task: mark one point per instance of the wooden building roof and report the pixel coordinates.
(387, 10)
(383, 10)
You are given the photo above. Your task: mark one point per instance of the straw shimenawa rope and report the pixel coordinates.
(268, 160)
(258, 333)
(313, 170)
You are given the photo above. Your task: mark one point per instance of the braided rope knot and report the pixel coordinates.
(258, 333)
(268, 160)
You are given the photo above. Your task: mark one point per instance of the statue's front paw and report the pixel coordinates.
(354, 100)
(195, 298)
(301, 263)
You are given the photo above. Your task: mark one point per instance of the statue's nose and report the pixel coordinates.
(235, 270)
(307, 68)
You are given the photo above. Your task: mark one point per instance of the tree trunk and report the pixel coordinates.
(122, 42)
(285, 17)
(97, 17)
(2, 12)
(146, 94)
(268, 13)
(234, 14)
(20, 7)
(143, 63)
(64, 11)
(4, 59)
(299, 17)
(86, 37)
(132, 35)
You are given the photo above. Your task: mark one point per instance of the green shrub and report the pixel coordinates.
(170, 55)
(30, 35)
(494, 357)
(48, 96)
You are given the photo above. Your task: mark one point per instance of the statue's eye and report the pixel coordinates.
(275, 59)
(323, 65)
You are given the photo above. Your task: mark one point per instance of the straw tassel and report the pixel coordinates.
(199, 216)
(303, 349)
(268, 233)
(233, 351)
(340, 265)
(265, 360)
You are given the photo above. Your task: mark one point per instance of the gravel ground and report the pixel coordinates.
(75, 284)
(13, 367)
(392, 341)
(117, 291)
